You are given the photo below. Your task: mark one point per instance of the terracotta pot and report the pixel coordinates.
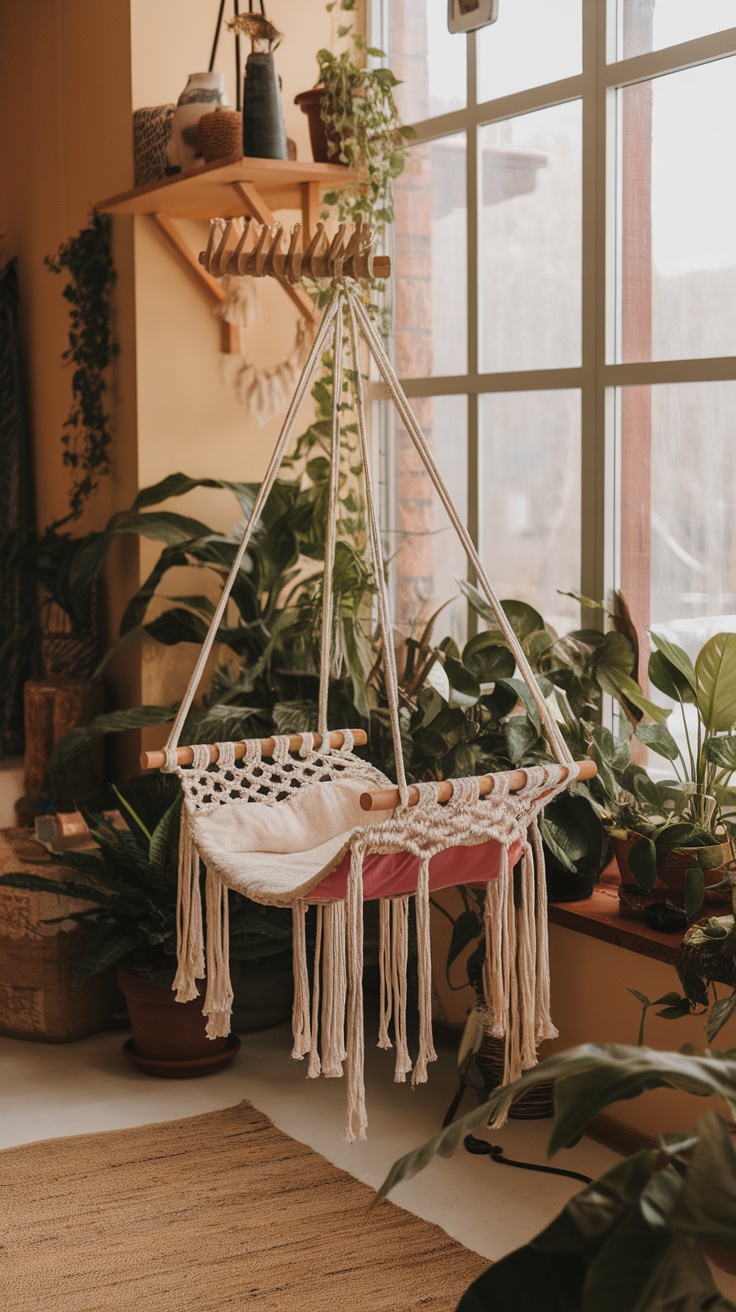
(671, 870)
(163, 1028)
(309, 104)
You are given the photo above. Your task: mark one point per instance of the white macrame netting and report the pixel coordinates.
(328, 1010)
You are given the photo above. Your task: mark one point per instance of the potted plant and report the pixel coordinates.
(353, 120)
(674, 834)
(132, 880)
(640, 1236)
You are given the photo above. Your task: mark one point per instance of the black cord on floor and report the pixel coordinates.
(482, 1148)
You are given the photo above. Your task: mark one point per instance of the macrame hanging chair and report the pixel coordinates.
(301, 821)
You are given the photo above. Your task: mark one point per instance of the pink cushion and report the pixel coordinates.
(391, 876)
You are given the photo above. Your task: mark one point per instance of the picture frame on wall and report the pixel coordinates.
(468, 15)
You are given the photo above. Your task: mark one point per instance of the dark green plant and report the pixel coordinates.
(87, 261)
(706, 958)
(131, 882)
(363, 126)
(635, 1238)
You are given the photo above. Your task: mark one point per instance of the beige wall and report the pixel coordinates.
(71, 73)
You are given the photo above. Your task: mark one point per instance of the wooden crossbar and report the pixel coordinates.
(385, 799)
(185, 756)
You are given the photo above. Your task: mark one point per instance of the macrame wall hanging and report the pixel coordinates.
(263, 390)
(302, 821)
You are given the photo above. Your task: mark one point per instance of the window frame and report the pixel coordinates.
(599, 376)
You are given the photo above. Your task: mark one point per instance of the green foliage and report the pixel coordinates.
(363, 126)
(632, 1238)
(87, 261)
(131, 882)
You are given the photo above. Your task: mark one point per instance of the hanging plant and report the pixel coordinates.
(86, 438)
(362, 124)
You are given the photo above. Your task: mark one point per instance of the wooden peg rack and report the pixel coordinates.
(257, 250)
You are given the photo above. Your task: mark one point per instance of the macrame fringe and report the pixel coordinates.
(424, 972)
(399, 963)
(356, 1122)
(189, 945)
(497, 965)
(384, 961)
(545, 1028)
(218, 1002)
(300, 1018)
(315, 1066)
(334, 990)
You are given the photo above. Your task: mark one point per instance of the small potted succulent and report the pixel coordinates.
(132, 880)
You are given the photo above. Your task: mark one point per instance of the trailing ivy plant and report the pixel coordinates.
(86, 260)
(362, 123)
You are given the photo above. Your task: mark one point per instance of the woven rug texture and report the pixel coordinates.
(215, 1211)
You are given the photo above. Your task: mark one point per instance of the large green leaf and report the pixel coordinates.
(106, 950)
(625, 689)
(175, 485)
(58, 888)
(525, 697)
(642, 863)
(676, 657)
(587, 1079)
(79, 740)
(706, 1205)
(487, 658)
(665, 676)
(160, 526)
(659, 738)
(722, 751)
(573, 833)
(715, 673)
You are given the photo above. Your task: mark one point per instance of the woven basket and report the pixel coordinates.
(37, 959)
(535, 1105)
(221, 133)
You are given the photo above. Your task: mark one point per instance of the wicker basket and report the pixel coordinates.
(535, 1105)
(221, 134)
(37, 959)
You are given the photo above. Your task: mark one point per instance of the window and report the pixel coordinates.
(565, 310)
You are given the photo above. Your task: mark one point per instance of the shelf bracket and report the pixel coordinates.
(211, 287)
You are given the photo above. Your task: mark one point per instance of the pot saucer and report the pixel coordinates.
(183, 1070)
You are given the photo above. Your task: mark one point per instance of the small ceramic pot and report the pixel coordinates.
(671, 870)
(202, 93)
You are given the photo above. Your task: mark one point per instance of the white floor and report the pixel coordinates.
(52, 1090)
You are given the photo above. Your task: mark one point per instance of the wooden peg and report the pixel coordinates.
(276, 259)
(221, 258)
(257, 266)
(239, 258)
(294, 255)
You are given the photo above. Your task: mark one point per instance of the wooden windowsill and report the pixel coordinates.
(599, 917)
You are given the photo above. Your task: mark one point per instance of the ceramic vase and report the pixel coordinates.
(202, 93)
(264, 135)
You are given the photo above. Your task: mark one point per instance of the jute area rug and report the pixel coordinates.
(212, 1212)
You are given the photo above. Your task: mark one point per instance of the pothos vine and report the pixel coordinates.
(86, 438)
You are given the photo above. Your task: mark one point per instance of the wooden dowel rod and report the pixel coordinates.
(385, 799)
(185, 755)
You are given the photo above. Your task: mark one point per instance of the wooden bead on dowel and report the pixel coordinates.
(185, 756)
(385, 799)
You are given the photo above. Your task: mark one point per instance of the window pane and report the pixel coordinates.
(431, 260)
(654, 24)
(530, 240)
(530, 499)
(678, 215)
(427, 554)
(430, 62)
(678, 536)
(533, 42)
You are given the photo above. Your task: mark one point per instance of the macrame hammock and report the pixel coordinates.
(303, 821)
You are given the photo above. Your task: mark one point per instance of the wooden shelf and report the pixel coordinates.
(213, 191)
(599, 917)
